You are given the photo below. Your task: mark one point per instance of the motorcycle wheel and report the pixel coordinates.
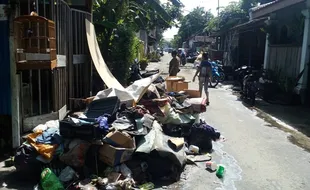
(252, 98)
(214, 82)
(222, 77)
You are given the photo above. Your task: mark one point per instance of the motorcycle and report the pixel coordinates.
(215, 77)
(257, 83)
(220, 70)
(241, 72)
(250, 87)
(135, 73)
(191, 57)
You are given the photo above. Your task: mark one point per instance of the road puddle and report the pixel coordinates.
(232, 169)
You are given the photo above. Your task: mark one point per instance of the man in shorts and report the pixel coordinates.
(205, 75)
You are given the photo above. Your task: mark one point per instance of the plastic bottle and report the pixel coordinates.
(220, 171)
(49, 181)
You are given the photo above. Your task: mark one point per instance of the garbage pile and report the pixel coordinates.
(112, 145)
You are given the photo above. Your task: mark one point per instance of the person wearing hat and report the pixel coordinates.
(204, 69)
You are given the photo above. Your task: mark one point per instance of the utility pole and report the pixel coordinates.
(218, 8)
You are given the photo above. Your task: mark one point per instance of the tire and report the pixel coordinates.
(222, 77)
(252, 98)
(214, 82)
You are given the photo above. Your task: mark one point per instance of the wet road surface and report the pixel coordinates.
(256, 155)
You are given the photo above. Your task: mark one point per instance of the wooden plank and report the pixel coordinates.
(37, 57)
(36, 65)
(31, 122)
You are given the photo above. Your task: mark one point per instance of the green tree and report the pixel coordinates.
(193, 24)
(233, 14)
(116, 23)
(230, 16)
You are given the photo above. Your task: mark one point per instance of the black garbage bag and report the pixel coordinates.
(25, 160)
(182, 130)
(161, 168)
(202, 135)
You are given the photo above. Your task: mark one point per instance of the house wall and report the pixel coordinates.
(284, 52)
(284, 60)
(5, 80)
(291, 18)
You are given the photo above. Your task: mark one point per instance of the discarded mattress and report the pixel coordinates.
(132, 92)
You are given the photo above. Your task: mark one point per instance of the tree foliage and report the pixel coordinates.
(116, 22)
(192, 24)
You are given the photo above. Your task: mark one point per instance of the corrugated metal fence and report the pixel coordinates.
(285, 60)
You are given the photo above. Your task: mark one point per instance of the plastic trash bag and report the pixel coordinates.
(66, 174)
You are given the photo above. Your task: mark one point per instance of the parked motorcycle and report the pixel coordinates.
(250, 87)
(220, 70)
(257, 83)
(241, 72)
(191, 57)
(135, 73)
(215, 77)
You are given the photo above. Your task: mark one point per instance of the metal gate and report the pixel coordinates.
(46, 91)
(80, 61)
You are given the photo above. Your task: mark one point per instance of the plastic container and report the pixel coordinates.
(211, 165)
(220, 171)
(194, 149)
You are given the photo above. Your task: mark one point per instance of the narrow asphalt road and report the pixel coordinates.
(255, 154)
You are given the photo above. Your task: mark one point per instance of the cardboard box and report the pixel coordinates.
(192, 93)
(122, 149)
(118, 139)
(180, 86)
(89, 100)
(170, 82)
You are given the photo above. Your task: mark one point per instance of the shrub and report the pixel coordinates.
(143, 64)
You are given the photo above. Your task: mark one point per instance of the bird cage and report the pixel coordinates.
(35, 42)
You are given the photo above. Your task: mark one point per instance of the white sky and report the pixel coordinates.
(190, 5)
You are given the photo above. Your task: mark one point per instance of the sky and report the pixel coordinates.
(190, 5)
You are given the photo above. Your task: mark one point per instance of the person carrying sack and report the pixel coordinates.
(205, 75)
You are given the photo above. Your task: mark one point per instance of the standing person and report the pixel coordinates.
(205, 75)
(174, 64)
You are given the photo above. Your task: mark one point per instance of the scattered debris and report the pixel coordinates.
(115, 144)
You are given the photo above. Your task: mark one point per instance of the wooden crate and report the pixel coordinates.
(35, 42)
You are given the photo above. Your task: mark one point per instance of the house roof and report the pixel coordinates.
(265, 9)
(251, 23)
(263, 5)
